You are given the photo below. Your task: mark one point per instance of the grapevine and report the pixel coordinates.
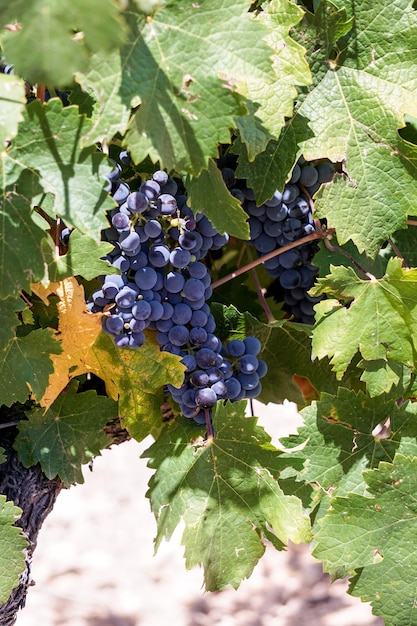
(203, 203)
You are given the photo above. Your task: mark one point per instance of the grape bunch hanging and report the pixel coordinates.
(160, 248)
(283, 219)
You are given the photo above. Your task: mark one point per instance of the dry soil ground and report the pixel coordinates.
(94, 564)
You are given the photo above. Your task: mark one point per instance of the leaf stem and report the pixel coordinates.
(209, 425)
(354, 262)
(398, 253)
(320, 234)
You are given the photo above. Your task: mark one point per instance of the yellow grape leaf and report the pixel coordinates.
(135, 377)
(77, 330)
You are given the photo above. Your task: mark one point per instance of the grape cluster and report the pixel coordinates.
(160, 248)
(283, 219)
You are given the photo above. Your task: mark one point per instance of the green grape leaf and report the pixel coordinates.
(20, 243)
(25, 366)
(225, 490)
(12, 103)
(270, 104)
(189, 101)
(85, 257)
(2, 456)
(49, 142)
(380, 321)
(364, 87)
(385, 376)
(345, 434)
(46, 29)
(9, 320)
(111, 110)
(138, 376)
(208, 194)
(320, 33)
(365, 141)
(12, 547)
(374, 534)
(355, 112)
(68, 435)
(272, 168)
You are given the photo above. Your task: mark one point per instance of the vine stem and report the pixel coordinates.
(264, 304)
(320, 234)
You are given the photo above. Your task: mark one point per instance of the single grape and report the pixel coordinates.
(129, 241)
(188, 398)
(137, 202)
(114, 174)
(199, 378)
(124, 157)
(126, 297)
(178, 335)
(179, 258)
(262, 368)
(236, 347)
(198, 318)
(150, 189)
(248, 381)
(145, 277)
(205, 358)
(193, 289)
(220, 389)
(309, 175)
(137, 326)
(206, 398)
(252, 345)
(198, 335)
(120, 221)
(264, 243)
(228, 176)
(174, 282)
(233, 388)
(325, 172)
(296, 173)
(290, 279)
(290, 259)
(159, 255)
(248, 363)
(160, 177)
(189, 361)
(110, 289)
(167, 204)
(120, 192)
(64, 236)
(182, 313)
(292, 229)
(190, 240)
(156, 310)
(114, 324)
(290, 193)
(137, 340)
(275, 200)
(164, 325)
(152, 228)
(197, 270)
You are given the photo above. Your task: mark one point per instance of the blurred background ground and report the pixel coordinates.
(94, 564)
